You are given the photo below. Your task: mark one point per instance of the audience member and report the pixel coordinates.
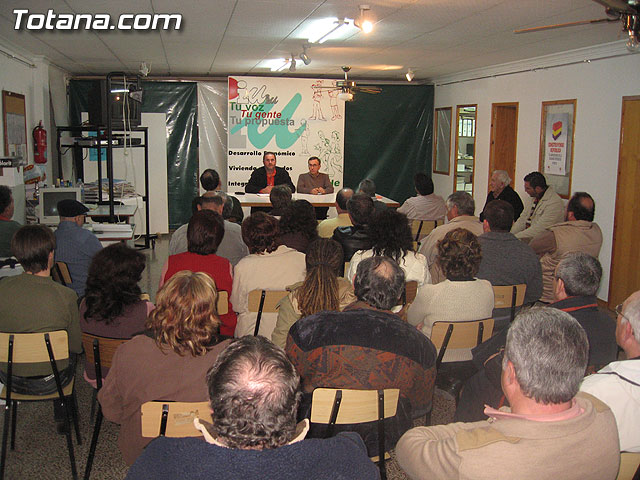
(505, 259)
(298, 226)
(368, 187)
(356, 237)
(7, 226)
(32, 302)
(391, 236)
(205, 231)
(280, 198)
(254, 395)
(461, 297)
(543, 209)
(263, 179)
(499, 183)
(167, 362)
(618, 384)
(75, 246)
(210, 181)
(366, 346)
(326, 227)
(549, 432)
(578, 233)
(112, 306)
(269, 266)
(577, 280)
(231, 247)
(426, 205)
(322, 289)
(460, 213)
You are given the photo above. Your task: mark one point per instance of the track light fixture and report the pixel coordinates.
(304, 56)
(410, 75)
(362, 22)
(292, 67)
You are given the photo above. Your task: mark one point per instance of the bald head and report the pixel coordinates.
(581, 207)
(342, 198)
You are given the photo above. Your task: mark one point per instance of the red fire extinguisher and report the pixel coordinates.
(40, 144)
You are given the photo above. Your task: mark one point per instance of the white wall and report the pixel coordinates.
(598, 86)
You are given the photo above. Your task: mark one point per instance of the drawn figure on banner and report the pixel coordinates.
(335, 157)
(317, 96)
(333, 102)
(325, 153)
(304, 136)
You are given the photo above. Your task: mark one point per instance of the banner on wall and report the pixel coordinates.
(293, 117)
(556, 144)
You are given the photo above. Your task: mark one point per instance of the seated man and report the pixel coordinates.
(543, 209)
(426, 205)
(618, 384)
(32, 302)
(357, 237)
(578, 233)
(326, 227)
(7, 226)
(368, 187)
(75, 246)
(253, 390)
(210, 181)
(366, 346)
(280, 198)
(505, 259)
(315, 183)
(549, 432)
(501, 190)
(263, 179)
(460, 213)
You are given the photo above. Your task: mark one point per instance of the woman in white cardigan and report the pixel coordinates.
(461, 297)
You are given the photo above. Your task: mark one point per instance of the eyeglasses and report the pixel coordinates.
(619, 311)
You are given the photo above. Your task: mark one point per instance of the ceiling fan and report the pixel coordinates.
(348, 87)
(625, 11)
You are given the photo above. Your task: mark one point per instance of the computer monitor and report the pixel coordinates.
(48, 202)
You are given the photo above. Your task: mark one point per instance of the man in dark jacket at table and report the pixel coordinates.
(263, 179)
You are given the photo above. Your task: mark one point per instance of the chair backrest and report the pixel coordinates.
(31, 347)
(173, 419)
(410, 291)
(422, 228)
(223, 302)
(107, 348)
(60, 273)
(629, 465)
(509, 296)
(264, 301)
(460, 335)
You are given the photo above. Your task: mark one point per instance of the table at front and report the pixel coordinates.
(100, 213)
(327, 200)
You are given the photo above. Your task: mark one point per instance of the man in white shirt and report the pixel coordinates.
(426, 205)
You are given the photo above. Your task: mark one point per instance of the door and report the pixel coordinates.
(504, 134)
(625, 274)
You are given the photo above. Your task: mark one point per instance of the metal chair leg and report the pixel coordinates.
(94, 444)
(5, 434)
(75, 417)
(14, 416)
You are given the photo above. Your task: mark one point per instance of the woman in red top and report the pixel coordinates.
(204, 234)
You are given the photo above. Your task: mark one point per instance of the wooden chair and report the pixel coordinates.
(25, 348)
(459, 335)
(509, 296)
(264, 301)
(333, 406)
(222, 305)
(422, 228)
(629, 466)
(60, 273)
(173, 419)
(99, 351)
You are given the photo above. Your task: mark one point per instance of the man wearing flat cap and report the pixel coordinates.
(75, 246)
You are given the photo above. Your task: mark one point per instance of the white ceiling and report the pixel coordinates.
(221, 37)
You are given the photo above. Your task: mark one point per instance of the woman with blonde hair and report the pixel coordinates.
(169, 361)
(322, 288)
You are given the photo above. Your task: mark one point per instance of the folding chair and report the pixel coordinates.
(99, 351)
(25, 348)
(459, 335)
(629, 466)
(264, 301)
(163, 418)
(60, 274)
(332, 406)
(509, 296)
(422, 228)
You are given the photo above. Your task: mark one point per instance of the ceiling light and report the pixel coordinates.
(345, 96)
(304, 56)
(144, 69)
(410, 75)
(363, 23)
(292, 67)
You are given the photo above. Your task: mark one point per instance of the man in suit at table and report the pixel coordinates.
(315, 183)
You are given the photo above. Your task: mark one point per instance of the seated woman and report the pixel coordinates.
(204, 234)
(169, 361)
(461, 297)
(391, 236)
(298, 226)
(322, 289)
(268, 266)
(112, 306)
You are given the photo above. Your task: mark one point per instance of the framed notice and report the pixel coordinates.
(14, 116)
(556, 144)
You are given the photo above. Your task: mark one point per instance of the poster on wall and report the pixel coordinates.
(556, 144)
(296, 118)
